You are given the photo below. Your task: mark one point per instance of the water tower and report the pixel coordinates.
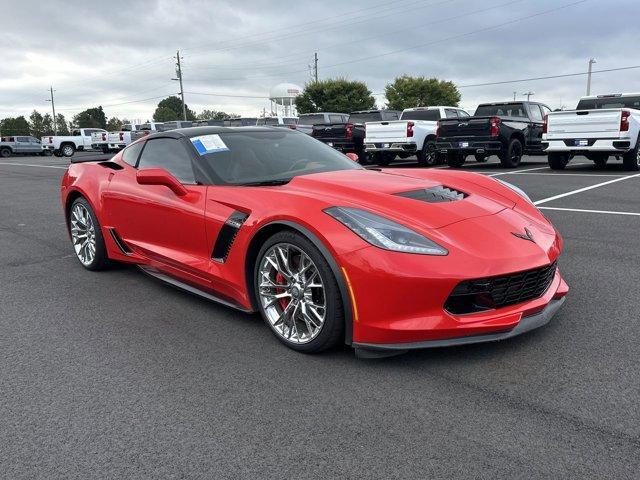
(283, 95)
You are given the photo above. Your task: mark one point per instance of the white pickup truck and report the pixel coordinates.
(414, 133)
(600, 127)
(131, 133)
(67, 145)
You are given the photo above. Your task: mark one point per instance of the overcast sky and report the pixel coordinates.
(109, 53)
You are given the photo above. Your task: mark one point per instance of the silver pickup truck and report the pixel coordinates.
(21, 145)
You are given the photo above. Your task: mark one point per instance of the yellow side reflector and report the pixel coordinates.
(353, 297)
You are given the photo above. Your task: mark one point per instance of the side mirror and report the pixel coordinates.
(159, 176)
(352, 156)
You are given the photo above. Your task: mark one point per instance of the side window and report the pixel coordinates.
(22, 139)
(169, 154)
(451, 113)
(131, 153)
(536, 112)
(336, 119)
(462, 114)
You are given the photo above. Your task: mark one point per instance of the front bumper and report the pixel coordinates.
(526, 324)
(589, 145)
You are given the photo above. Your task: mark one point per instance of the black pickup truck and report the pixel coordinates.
(349, 136)
(506, 129)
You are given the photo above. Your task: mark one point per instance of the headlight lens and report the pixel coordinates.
(518, 190)
(384, 233)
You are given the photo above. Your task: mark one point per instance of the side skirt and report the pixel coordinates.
(190, 288)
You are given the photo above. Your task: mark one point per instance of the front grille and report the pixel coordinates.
(488, 293)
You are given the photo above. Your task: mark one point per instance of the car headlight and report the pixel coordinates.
(384, 233)
(518, 190)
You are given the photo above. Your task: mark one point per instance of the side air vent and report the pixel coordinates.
(124, 248)
(227, 235)
(437, 194)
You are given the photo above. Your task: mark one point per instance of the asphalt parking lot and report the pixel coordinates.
(114, 375)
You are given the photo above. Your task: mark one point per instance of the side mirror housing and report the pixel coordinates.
(159, 176)
(352, 156)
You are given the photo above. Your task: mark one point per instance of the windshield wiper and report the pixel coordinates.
(266, 183)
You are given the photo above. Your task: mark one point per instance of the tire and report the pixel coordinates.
(47, 153)
(315, 332)
(456, 160)
(93, 255)
(57, 153)
(512, 156)
(428, 156)
(631, 159)
(67, 150)
(557, 161)
(5, 152)
(481, 157)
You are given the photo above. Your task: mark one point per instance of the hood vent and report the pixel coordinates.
(437, 194)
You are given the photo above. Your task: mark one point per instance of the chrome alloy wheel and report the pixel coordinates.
(83, 234)
(291, 293)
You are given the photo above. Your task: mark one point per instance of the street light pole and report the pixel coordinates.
(591, 62)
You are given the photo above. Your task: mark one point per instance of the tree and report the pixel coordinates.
(36, 124)
(409, 92)
(91, 118)
(61, 124)
(216, 115)
(170, 109)
(114, 124)
(14, 126)
(47, 125)
(335, 95)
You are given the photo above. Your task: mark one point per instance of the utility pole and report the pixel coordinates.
(529, 94)
(591, 62)
(315, 66)
(179, 75)
(514, 96)
(53, 107)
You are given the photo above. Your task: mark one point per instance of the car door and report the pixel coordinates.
(151, 219)
(34, 145)
(22, 145)
(536, 115)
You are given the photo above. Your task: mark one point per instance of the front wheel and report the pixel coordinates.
(297, 293)
(557, 161)
(428, 155)
(512, 156)
(86, 236)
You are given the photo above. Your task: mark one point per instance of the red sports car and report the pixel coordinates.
(271, 220)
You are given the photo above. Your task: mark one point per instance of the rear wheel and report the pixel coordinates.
(86, 236)
(297, 294)
(428, 156)
(631, 159)
(5, 152)
(512, 156)
(557, 161)
(68, 150)
(455, 159)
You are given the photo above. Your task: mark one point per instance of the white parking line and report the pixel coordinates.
(572, 174)
(32, 165)
(580, 190)
(525, 170)
(609, 212)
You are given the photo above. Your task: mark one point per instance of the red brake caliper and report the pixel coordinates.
(283, 301)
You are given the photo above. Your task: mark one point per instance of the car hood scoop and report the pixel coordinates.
(436, 194)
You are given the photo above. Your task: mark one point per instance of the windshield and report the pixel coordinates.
(421, 115)
(254, 156)
(311, 120)
(504, 110)
(365, 117)
(609, 102)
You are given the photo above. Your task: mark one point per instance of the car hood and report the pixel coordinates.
(424, 199)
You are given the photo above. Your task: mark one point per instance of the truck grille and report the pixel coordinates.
(488, 293)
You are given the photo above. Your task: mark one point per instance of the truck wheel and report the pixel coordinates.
(481, 157)
(512, 156)
(5, 152)
(557, 161)
(68, 150)
(428, 156)
(47, 153)
(57, 153)
(631, 159)
(456, 160)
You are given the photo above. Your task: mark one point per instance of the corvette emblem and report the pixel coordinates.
(527, 235)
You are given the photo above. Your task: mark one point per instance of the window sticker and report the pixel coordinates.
(209, 144)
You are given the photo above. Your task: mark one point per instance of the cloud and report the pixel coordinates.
(121, 52)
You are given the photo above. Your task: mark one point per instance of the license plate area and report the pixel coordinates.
(581, 142)
(463, 144)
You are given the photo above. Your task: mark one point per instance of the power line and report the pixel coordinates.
(126, 103)
(226, 95)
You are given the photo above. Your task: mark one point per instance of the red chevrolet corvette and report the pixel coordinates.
(271, 220)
